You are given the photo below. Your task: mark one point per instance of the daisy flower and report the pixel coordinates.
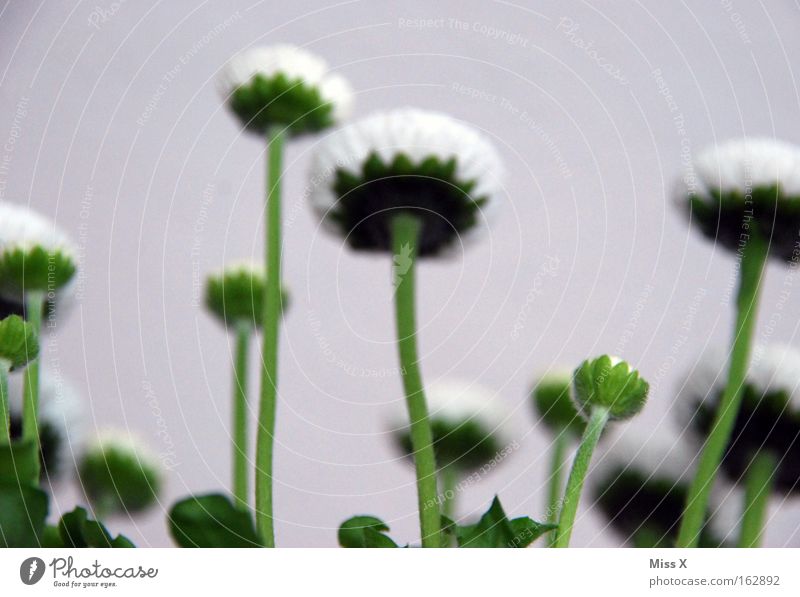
(35, 255)
(119, 474)
(468, 422)
(427, 164)
(745, 194)
(407, 182)
(284, 86)
(744, 186)
(640, 484)
(763, 449)
(62, 428)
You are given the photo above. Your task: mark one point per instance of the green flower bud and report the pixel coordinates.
(118, 475)
(553, 402)
(236, 295)
(18, 342)
(610, 383)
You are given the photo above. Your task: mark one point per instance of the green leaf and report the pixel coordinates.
(23, 510)
(526, 531)
(494, 529)
(76, 529)
(364, 531)
(18, 342)
(212, 521)
(19, 461)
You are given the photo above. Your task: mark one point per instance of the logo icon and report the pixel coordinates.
(31, 571)
(402, 263)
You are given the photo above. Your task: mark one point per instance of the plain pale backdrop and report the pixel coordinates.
(111, 123)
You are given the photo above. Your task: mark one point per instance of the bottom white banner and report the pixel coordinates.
(400, 571)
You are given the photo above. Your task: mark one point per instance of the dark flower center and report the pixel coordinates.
(765, 422)
(727, 216)
(429, 190)
(645, 510)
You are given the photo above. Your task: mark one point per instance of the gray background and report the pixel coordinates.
(116, 129)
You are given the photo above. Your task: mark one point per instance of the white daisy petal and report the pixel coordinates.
(23, 228)
(741, 165)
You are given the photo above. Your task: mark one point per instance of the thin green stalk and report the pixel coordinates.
(240, 468)
(754, 257)
(449, 479)
(5, 413)
(758, 486)
(34, 304)
(405, 236)
(580, 466)
(555, 484)
(269, 371)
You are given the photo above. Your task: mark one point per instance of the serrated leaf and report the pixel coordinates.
(76, 529)
(494, 529)
(364, 531)
(212, 521)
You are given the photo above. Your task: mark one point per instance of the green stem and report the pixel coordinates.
(754, 257)
(449, 479)
(405, 236)
(34, 304)
(5, 413)
(269, 371)
(758, 486)
(240, 469)
(580, 466)
(558, 453)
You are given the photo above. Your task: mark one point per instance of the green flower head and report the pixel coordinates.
(235, 296)
(119, 475)
(552, 400)
(18, 342)
(285, 86)
(608, 382)
(35, 256)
